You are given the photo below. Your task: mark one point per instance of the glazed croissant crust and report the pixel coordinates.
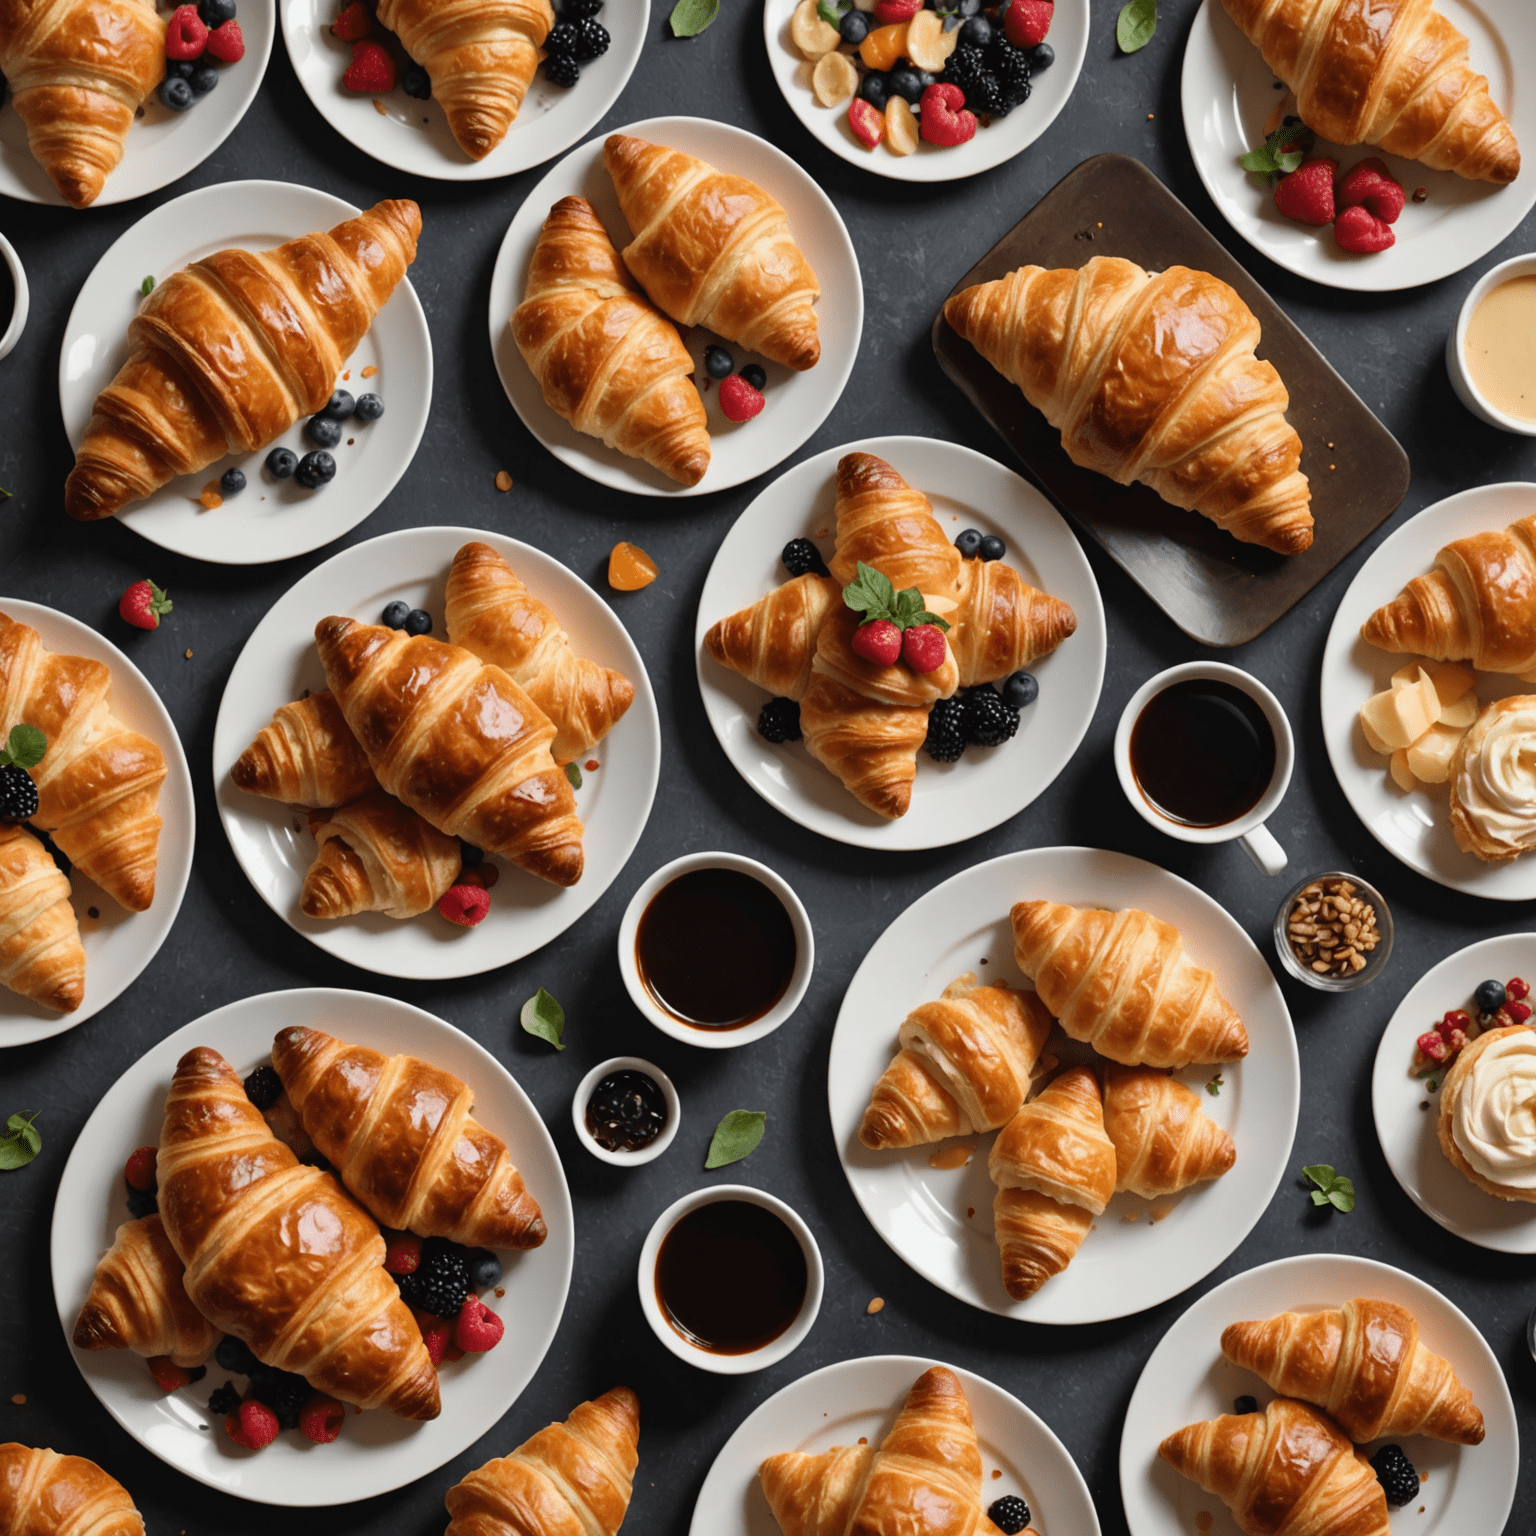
(41, 957)
(45, 1494)
(1164, 1141)
(772, 642)
(376, 855)
(307, 756)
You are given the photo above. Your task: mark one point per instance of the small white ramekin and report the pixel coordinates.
(584, 1092)
(1456, 347)
(18, 317)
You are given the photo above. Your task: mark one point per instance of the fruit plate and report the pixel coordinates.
(413, 136)
(858, 1400)
(1186, 1379)
(950, 801)
(272, 841)
(1216, 590)
(271, 519)
(376, 1452)
(118, 944)
(163, 146)
(991, 146)
(797, 403)
(1229, 92)
(1407, 1129)
(940, 1219)
(1415, 827)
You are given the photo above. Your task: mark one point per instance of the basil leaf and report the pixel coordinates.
(1318, 1173)
(21, 1142)
(833, 11)
(26, 746)
(736, 1135)
(544, 1017)
(573, 773)
(147, 287)
(1214, 1086)
(690, 17)
(1136, 24)
(1332, 1188)
(871, 593)
(1342, 1195)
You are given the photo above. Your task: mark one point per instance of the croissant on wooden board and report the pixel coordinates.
(1164, 1141)
(41, 957)
(227, 354)
(1121, 982)
(376, 855)
(1151, 377)
(1003, 623)
(456, 740)
(1394, 75)
(307, 756)
(889, 525)
(98, 784)
(402, 1138)
(278, 1254)
(772, 642)
(1286, 1471)
(716, 250)
(78, 71)
(137, 1300)
(45, 1494)
(570, 1479)
(964, 1066)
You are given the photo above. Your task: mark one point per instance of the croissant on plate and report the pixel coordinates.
(401, 1136)
(1395, 75)
(1151, 377)
(889, 525)
(964, 1066)
(307, 756)
(772, 642)
(716, 250)
(1164, 1141)
(377, 855)
(41, 956)
(137, 1300)
(98, 784)
(45, 1494)
(1121, 982)
(227, 354)
(456, 740)
(79, 70)
(278, 1254)
(1003, 623)
(570, 1479)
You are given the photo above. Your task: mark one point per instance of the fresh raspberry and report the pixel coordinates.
(868, 125)
(227, 45)
(252, 1425)
(943, 118)
(465, 905)
(403, 1255)
(354, 22)
(888, 12)
(739, 400)
(1517, 989)
(140, 1172)
(186, 35)
(436, 1335)
(1371, 184)
(1361, 233)
(1433, 1045)
(1027, 21)
(322, 1419)
(371, 71)
(169, 1376)
(143, 603)
(1307, 193)
(1518, 1012)
(878, 641)
(478, 1328)
(923, 648)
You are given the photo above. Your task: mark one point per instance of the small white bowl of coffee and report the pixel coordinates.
(1491, 354)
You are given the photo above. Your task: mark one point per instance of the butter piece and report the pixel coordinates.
(1429, 758)
(1398, 717)
(1402, 774)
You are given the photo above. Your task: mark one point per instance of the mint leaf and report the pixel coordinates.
(833, 11)
(1332, 1188)
(147, 287)
(20, 1143)
(871, 593)
(573, 773)
(25, 748)
(1281, 152)
(544, 1017)
(736, 1135)
(690, 17)
(1136, 24)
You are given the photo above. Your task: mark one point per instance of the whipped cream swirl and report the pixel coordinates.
(1497, 783)
(1495, 1115)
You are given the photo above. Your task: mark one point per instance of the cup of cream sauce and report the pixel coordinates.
(1491, 354)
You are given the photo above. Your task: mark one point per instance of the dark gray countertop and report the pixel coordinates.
(912, 242)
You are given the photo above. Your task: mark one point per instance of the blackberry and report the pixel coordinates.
(441, 1281)
(282, 1391)
(142, 1202)
(263, 1087)
(1396, 1475)
(591, 39)
(984, 97)
(965, 66)
(1009, 64)
(562, 40)
(946, 737)
(779, 721)
(1010, 1514)
(1246, 1404)
(801, 556)
(235, 1355)
(563, 72)
(18, 794)
(1014, 94)
(986, 720)
(579, 10)
(223, 1401)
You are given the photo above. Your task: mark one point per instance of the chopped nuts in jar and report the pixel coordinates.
(1331, 929)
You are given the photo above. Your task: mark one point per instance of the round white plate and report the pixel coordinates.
(1187, 1379)
(950, 801)
(1228, 93)
(163, 146)
(270, 519)
(798, 403)
(854, 1399)
(272, 841)
(940, 1220)
(413, 136)
(376, 1452)
(1416, 827)
(118, 943)
(929, 162)
(1407, 1133)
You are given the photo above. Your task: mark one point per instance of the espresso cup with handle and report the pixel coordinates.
(1187, 823)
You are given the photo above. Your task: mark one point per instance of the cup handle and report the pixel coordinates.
(1261, 847)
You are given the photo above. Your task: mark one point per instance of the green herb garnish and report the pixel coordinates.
(25, 748)
(1215, 1085)
(690, 17)
(147, 287)
(873, 594)
(20, 1143)
(573, 773)
(1136, 24)
(544, 1017)
(736, 1135)
(1281, 152)
(1332, 1188)
(833, 11)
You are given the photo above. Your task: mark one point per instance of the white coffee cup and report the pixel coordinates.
(18, 316)
(1248, 829)
(1456, 347)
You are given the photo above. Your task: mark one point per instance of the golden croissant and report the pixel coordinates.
(1151, 377)
(456, 740)
(1121, 982)
(1286, 1471)
(570, 1479)
(41, 956)
(889, 525)
(964, 1066)
(1394, 74)
(45, 1494)
(98, 784)
(772, 642)
(401, 1136)
(307, 756)
(227, 354)
(1164, 1141)
(79, 70)
(376, 855)
(278, 1254)
(716, 250)
(1003, 623)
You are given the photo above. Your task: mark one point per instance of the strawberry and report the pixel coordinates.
(868, 125)
(402, 1256)
(1027, 21)
(226, 44)
(1370, 183)
(739, 400)
(353, 23)
(252, 1425)
(140, 1172)
(465, 905)
(1307, 193)
(944, 119)
(878, 641)
(371, 70)
(169, 1376)
(322, 1419)
(478, 1328)
(889, 12)
(452, 1352)
(144, 602)
(186, 34)
(923, 648)
(1361, 233)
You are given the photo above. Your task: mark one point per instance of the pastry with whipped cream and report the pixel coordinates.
(1487, 1120)
(1493, 782)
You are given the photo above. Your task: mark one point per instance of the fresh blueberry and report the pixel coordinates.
(214, 13)
(281, 463)
(1490, 996)
(179, 69)
(975, 32)
(1245, 1404)
(876, 89)
(235, 1355)
(925, 78)
(176, 93)
(369, 408)
(395, 614)
(484, 1269)
(323, 431)
(418, 622)
(203, 78)
(970, 7)
(339, 406)
(992, 548)
(854, 27)
(315, 470)
(718, 363)
(755, 376)
(469, 855)
(1041, 56)
(142, 1202)
(906, 82)
(969, 543)
(232, 482)
(1020, 689)
(416, 82)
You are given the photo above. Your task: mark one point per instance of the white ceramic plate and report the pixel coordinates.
(950, 801)
(991, 146)
(270, 519)
(1187, 1379)
(1407, 1133)
(376, 1452)
(1416, 827)
(841, 1403)
(118, 944)
(272, 841)
(1228, 93)
(413, 136)
(940, 1220)
(798, 403)
(163, 146)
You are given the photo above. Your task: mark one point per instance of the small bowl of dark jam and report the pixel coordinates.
(716, 950)
(626, 1111)
(730, 1279)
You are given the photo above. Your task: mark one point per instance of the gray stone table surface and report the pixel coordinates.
(226, 944)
